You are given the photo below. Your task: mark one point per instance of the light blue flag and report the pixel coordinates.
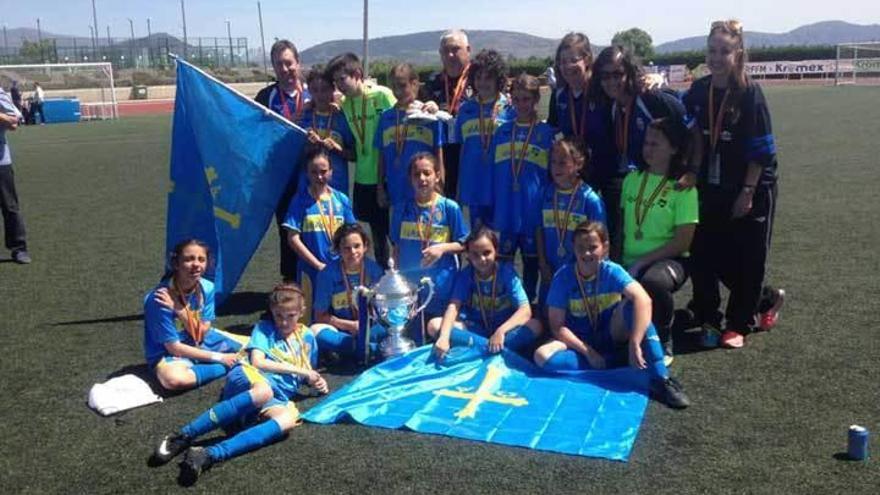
(500, 398)
(230, 162)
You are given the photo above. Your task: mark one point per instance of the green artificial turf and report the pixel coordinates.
(770, 418)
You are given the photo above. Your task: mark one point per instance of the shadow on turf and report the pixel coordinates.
(243, 303)
(112, 319)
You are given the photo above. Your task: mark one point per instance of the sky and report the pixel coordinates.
(308, 23)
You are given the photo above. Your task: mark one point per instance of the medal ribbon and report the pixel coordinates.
(480, 298)
(592, 306)
(428, 233)
(298, 104)
(348, 288)
(716, 122)
(398, 142)
(193, 322)
(486, 135)
(326, 130)
(580, 131)
(298, 356)
(562, 227)
(328, 221)
(641, 213)
(621, 127)
(516, 160)
(452, 104)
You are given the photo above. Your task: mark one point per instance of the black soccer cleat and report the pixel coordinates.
(670, 392)
(195, 462)
(171, 446)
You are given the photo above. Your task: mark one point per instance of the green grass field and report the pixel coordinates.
(770, 418)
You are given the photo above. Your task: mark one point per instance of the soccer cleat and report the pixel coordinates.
(732, 340)
(668, 357)
(767, 320)
(710, 336)
(171, 446)
(195, 462)
(670, 392)
(21, 257)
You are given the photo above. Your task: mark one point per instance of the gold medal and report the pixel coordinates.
(639, 235)
(516, 187)
(560, 251)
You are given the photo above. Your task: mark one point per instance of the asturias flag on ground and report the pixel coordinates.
(498, 399)
(230, 162)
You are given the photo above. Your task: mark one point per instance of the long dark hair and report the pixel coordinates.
(632, 69)
(678, 136)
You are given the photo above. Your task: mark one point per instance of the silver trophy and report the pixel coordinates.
(393, 301)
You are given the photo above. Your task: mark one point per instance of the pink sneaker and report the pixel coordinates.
(732, 340)
(768, 319)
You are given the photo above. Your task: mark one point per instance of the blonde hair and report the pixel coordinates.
(734, 29)
(287, 294)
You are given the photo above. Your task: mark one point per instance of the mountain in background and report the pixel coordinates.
(820, 33)
(421, 48)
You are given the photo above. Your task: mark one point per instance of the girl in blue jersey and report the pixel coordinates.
(737, 185)
(180, 345)
(601, 318)
(488, 302)
(475, 124)
(399, 137)
(566, 203)
(336, 302)
(313, 217)
(659, 221)
(522, 155)
(327, 128)
(256, 401)
(428, 231)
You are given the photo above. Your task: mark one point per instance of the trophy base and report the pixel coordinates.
(395, 345)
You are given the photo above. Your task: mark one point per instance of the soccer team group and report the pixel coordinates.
(612, 203)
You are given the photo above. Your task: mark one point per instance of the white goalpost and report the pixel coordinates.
(90, 83)
(858, 63)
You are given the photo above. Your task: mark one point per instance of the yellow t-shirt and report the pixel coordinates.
(668, 209)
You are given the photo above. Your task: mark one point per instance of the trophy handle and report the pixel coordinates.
(430, 283)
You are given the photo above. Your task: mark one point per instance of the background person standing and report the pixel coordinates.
(13, 223)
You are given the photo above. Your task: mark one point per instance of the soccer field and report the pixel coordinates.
(770, 418)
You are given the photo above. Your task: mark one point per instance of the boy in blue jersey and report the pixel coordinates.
(475, 124)
(428, 231)
(488, 302)
(522, 154)
(180, 345)
(566, 203)
(336, 301)
(286, 97)
(312, 219)
(327, 127)
(399, 137)
(256, 401)
(601, 318)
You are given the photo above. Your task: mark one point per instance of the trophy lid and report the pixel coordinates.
(393, 284)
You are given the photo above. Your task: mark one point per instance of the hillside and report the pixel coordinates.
(820, 33)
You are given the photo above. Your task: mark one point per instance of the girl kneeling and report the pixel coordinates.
(283, 353)
(488, 302)
(601, 318)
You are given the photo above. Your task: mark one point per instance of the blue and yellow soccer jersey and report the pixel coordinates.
(331, 293)
(585, 205)
(334, 126)
(477, 163)
(518, 184)
(161, 325)
(410, 224)
(474, 294)
(601, 296)
(594, 127)
(415, 136)
(300, 349)
(305, 217)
